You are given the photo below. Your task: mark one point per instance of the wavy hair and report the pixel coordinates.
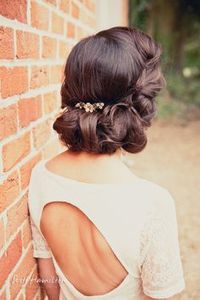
(119, 66)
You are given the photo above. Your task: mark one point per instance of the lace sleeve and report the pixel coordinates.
(40, 247)
(161, 266)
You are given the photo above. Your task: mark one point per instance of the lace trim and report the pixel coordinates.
(160, 261)
(40, 246)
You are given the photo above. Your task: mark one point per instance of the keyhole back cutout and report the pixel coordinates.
(83, 254)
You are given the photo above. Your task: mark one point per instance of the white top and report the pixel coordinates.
(143, 232)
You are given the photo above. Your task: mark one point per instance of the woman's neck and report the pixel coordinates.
(93, 157)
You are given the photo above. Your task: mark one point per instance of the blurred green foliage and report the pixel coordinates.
(168, 109)
(175, 25)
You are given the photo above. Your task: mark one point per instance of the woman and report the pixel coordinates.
(99, 231)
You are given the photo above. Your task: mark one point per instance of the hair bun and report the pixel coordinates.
(120, 67)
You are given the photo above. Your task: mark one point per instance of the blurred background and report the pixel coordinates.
(176, 26)
(172, 156)
(36, 37)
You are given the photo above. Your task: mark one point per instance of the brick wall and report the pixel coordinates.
(36, 37)
(111, 13)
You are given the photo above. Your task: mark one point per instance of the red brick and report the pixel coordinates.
(54, 2)
(29, 109)
(3, 295)
(48, 47)
(15, 150)
(65, 5)
(25, 170)
(13, 81)
(8, 121)
(50, 102)
(2, 74)
(93, 8)
(39, 16)
(56, 74)
(7, 43)
(27, 45)
(90, 4)
(70, 30)
(14, 9)
(52, 148)
(9, 259)
(9, 190)
(2, 235)
(16, 215)
(57, 24)
(75, 11)
(41, 134)
(63, 50)
(2, 69)
(26, 234)
(80, 33)
(20, 296)
(91, 22)
(32, 286)
(39, 76)
(19, 278)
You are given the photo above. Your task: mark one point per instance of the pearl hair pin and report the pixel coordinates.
(90, 107)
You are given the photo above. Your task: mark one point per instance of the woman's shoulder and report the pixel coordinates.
(142, 193)
(39, 184)
(36, 180)
(152, 188)
(37, 167)
(155, 197)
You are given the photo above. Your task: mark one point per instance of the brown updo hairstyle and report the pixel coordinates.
(119, 66)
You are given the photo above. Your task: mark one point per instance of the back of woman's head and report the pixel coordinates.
(121, 68)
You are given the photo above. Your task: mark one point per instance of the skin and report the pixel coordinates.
(49, 278)
(87, 259)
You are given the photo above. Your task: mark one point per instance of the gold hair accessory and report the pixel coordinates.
(90, 107)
